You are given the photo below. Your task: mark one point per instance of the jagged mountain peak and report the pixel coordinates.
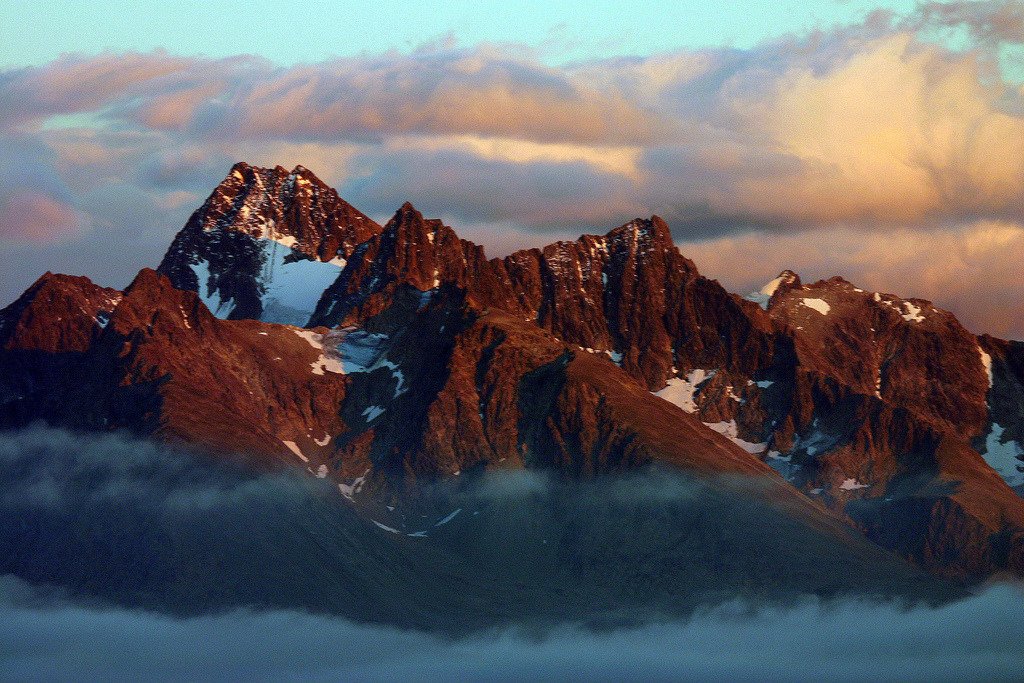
(410, 224)
(642, 229)
(148, 281)
(786, 277)
(266, 244)
(782, 283)
(280, 204)
(842, 391)
(57, 312)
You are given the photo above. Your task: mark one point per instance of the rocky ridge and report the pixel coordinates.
(416, 358)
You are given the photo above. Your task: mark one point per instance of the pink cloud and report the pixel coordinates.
(38, 218)
(813, 147)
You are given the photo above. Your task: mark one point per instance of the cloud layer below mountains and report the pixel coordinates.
(871, 130)
(159, 532)
(46, 637)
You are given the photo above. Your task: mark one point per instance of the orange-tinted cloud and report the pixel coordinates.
(973, 270)
(806, 149)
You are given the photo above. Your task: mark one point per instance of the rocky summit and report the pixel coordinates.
(286, 327)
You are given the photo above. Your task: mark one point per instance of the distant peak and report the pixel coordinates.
(786, 277)
(245, 171)
(147, 279)
(785, 281)
(653, 228)
(406, 215)
(58, 280)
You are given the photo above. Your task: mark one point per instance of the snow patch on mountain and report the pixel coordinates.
(328, 360)
(349, 490)
(448, 518)
(783, 464)
(1004, 457)
(912, 313)
(207, 292)
(360, 351)
(820, 305)
(729, 430)
(294, 448)
(986, 362)
(763, 296)
(350, 351)
(289, 282)
(681, 390)
(292, 288)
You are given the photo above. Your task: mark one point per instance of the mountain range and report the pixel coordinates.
(289, 329)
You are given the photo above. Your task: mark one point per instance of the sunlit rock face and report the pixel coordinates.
(286, 325)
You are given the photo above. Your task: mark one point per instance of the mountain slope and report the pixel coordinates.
(412, 358)
(317, 397)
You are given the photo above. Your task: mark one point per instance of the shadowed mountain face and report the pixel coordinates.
(145, 526)
(285, 326)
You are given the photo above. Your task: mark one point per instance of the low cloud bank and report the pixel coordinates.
(145, 526)
(124, 558)
(47, 638)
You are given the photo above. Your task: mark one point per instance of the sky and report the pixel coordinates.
(880, 141)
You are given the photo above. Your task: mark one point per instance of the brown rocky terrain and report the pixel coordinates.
(411, 357)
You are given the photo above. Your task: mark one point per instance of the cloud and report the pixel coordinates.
(479, 91)
(867, 124)
(986, 20)
(549, 188)
(875, 130)
(50, 638)
(868, 127)
(972, 270)
(139, 525)
(129, 559)
(36, 217)
(73, 84)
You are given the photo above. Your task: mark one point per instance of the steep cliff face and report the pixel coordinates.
(631, 295)
(1002, 440)
(266, 244)
(285, 325)
(417, 392)
(906, 352)
(409, 251)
